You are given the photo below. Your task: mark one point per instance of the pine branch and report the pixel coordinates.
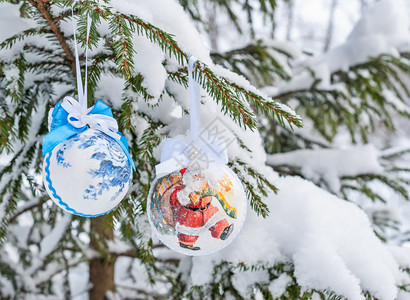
(360, 93)
(256, 62)
(47, 53)
(256, 189)
(40, 6)
(342, 76)
(9, 42)
(15, 87)
(231, 95)
(122, 45)
(33, 204)
(63, 15)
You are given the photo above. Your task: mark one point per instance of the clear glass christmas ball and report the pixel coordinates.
(197, 212)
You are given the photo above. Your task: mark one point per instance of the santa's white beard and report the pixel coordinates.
(193, 181)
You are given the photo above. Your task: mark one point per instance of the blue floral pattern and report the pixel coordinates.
(60, 158)
(114, 168)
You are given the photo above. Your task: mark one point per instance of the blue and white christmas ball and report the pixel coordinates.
(88, 174)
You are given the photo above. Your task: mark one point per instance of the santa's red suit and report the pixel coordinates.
(193, 219)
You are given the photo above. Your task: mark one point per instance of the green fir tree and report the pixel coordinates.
(45, 252)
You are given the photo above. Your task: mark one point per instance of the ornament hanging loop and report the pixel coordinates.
(78, 111)
(176, 154)
(82, 93)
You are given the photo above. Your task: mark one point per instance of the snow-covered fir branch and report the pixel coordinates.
(324, 218)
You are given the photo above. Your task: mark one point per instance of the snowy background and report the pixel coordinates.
(330, 241)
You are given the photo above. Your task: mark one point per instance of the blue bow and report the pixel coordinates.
(61, 129)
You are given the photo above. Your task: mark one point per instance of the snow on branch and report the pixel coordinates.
(383, 30)
(50, 242)
(233, 91)
(330, 164)
(330, 241)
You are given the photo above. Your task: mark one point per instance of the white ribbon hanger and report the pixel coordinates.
(78, 112)
(177, 154)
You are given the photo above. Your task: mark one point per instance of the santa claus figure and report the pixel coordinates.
(188, 207)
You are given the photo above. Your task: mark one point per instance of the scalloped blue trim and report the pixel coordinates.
(60, 201)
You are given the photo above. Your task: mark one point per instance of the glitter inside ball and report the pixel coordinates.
(88, 174)
(197, 212)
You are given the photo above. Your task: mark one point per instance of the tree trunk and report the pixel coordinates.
(213, 28)
(329, 31)
(363, 6)
(102, 267)
(290, 17)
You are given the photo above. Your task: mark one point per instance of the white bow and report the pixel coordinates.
(79, 117)
(201, 154)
